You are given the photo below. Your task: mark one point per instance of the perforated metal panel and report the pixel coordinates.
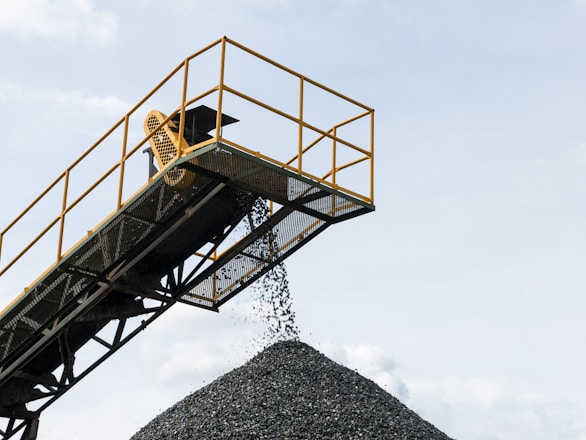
(43, 302)
(164, 144)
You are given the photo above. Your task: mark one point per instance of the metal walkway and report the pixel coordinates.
(187, 236)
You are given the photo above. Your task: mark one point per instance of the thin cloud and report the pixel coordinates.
(13, 92)
(201, 356)
(62, 20)
(579, 152)
(109, 105)
(465, 406)
(71, 102)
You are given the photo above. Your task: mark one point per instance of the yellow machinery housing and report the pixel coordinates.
(187, 233)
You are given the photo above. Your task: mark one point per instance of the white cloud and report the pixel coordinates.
(13, 92)
(178, 360)
(579, 152)
(70, 102)
(64, 20)
(109, 105)
(494, 407)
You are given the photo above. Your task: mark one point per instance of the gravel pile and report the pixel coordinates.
(289, 391)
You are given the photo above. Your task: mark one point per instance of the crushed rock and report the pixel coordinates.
(290, 391)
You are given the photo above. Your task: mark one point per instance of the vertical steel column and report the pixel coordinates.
(32, 429)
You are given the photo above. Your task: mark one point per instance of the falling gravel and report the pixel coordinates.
(273, 303)
(289, 391)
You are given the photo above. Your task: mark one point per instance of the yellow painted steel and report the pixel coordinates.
(122, 163)
(161, 131)
(221, 88)
(167, 142)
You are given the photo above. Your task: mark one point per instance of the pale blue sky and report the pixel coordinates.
(463, 294)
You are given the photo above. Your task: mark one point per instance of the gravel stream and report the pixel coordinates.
(289, 391)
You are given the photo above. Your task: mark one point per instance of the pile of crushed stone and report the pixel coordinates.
(289, 391)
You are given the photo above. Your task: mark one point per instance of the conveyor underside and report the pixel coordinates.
(141, 261)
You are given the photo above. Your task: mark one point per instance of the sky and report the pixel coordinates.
(462, 295)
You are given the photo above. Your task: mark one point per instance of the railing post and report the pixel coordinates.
(62, 216)
(183, 99)
(372, 156)
(122, 163)
(300, 141)
(221, 89)
(334, 153)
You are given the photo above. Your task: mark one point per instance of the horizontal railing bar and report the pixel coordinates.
(32, 204)
(307, 148)
(30, 245)
(91, 188)
(56, 220)
(294, 119)
(153, 91)
(347, 165)
(95, 145)
(352, 119)
(205, 49)
(294, 73)
(321, 137)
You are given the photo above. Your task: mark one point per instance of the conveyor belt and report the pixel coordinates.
(192, 234)
(118, 267)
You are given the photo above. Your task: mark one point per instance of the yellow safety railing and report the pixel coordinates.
(292, 156)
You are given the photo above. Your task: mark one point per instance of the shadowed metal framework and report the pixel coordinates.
(191, 234)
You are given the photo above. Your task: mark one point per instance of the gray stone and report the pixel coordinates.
(290, 391)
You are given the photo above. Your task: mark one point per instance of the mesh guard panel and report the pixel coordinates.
(305, 209)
